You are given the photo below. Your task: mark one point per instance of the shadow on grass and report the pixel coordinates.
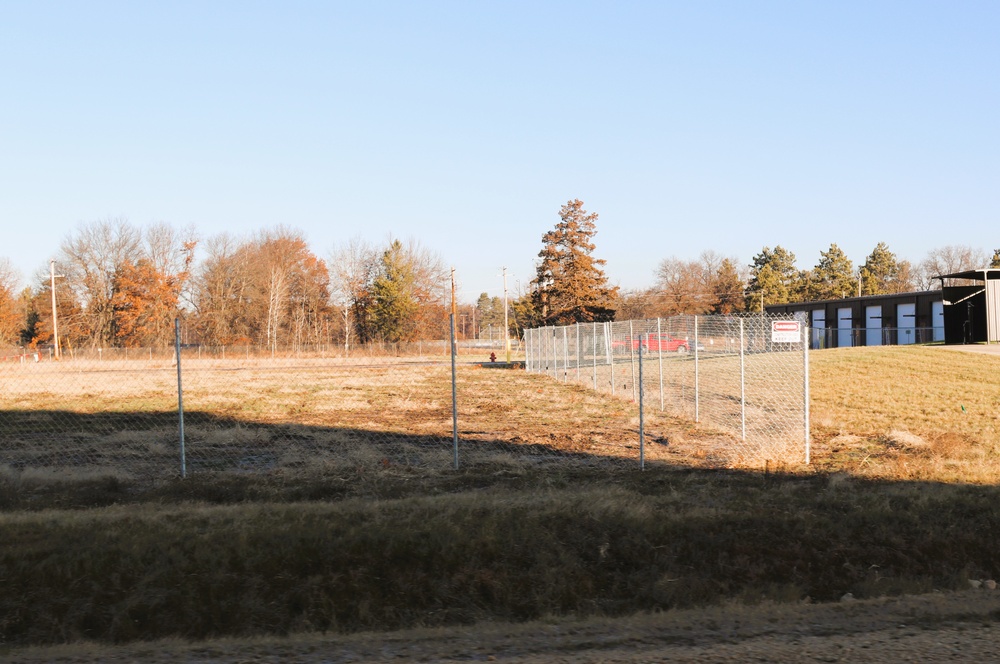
(280, 529)
(146, 446)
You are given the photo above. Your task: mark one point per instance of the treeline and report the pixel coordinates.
(570, 285)
(117, 285)
(717, 284)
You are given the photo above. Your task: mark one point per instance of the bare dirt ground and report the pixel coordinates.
(938, 627)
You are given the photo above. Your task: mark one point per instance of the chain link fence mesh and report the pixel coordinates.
(91, 414)
(116, 412)
(724, 372)
(323, 410)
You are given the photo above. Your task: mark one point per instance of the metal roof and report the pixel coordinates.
(982, 274)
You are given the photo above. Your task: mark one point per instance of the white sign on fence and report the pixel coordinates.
(786, 331)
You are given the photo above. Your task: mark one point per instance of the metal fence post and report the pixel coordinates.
(565, 353)
(527, 350)
(180, 397)
(631, 356)
(611, 354)
(659, 353)
(743, 390)
(595, 355)
(454, 393)
(642, 421)
(805, 388)
(534, 351)
(555, 355)
(697, 404)
(536, 340)
(579, 360)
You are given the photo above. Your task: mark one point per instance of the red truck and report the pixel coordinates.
(654, 342)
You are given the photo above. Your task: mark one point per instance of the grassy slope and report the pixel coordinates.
(907, 413)
(665, 540)
(885, 510)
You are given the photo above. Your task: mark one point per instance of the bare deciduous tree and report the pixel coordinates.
(89, 260)
(711, 284)
(352, 270)
(949, 260)
(637, 304)
(11, 314)
(220, 291)
(683, 287)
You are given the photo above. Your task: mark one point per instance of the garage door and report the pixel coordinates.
(819, 328)
(844, 327)
(937, 320)
(873, 325)
(906, 324)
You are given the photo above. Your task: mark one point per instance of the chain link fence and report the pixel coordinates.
(746, 377)
(140, 415)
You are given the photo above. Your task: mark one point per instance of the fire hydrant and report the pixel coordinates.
(493, 357)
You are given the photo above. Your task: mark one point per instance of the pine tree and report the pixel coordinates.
(833, 276)
(489, 311)
(394, 306)
(773, 278)
(882, 273)
(570, 286)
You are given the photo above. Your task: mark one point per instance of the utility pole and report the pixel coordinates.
(55, 322)
(506, 328)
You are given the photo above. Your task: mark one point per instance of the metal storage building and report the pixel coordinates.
(965, 310)
(871, 320)
(971, 310)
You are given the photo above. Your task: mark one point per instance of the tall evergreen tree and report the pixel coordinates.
(394, 307)
(570, 286)
(30, 330)
(882, 273)
(728, 288)
(833, 276)
(773, 278)
(489, 311)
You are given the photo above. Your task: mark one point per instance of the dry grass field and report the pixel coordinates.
(317, 415)
(339, 510)
(903, 413)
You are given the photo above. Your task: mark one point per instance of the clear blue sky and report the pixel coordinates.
(685, 125)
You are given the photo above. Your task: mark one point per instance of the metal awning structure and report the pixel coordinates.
(972, 310)
(982, 274)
